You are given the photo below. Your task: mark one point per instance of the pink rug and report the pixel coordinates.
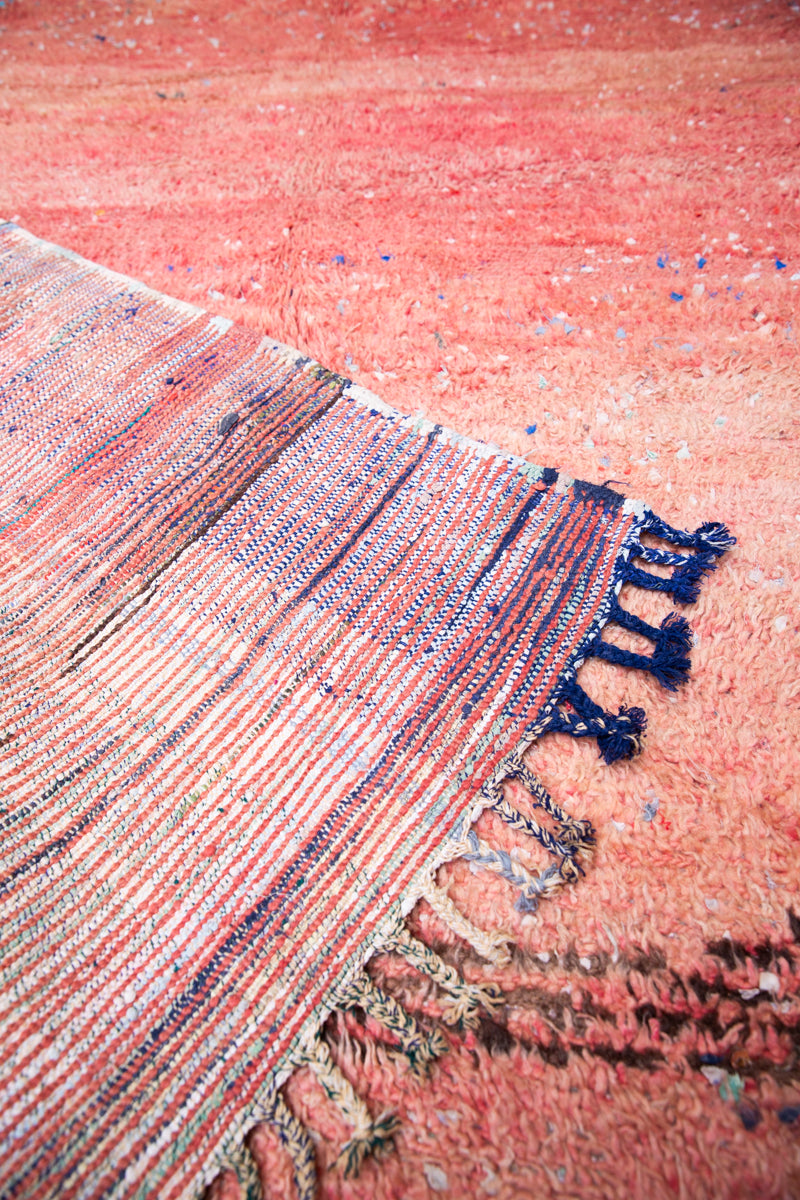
(573, 233)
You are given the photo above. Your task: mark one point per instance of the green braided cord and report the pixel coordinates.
(419, 1048)
(368, 1137)
(295, 1138)
(466, 1000)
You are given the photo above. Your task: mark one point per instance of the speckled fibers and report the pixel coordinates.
(574, 232)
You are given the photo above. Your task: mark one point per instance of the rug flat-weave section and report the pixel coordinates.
(264, 641)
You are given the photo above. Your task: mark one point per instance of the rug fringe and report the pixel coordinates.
(669, 663)
(712, 537)
(619, 735)
(465, 1000)
(529, 886)
(419, 1047)
(370, 1136)
(494, 946)
(572, 836)
(709, 542)
(297, 1140)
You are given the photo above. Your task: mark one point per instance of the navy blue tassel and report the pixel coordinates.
(669, 662)
(623, 739)
(618, 735)
(714, 537)
(674, 635)
(684, 582)
(711, 538)
(709, 542)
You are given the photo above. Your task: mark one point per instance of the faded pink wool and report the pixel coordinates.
(488, 213)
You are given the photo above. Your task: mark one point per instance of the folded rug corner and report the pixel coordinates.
(270, 647)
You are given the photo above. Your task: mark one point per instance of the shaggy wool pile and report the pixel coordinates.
(573, 233)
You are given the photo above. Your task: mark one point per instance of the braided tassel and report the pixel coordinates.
(709, 543)
(465, 999)
(295, 1138)
(420, 1049)
(619, 735)
(240, 1161)
(711, 538)
(572, 832)
(369, 1136)
(531, 887)
(669, 662)
(491, 946)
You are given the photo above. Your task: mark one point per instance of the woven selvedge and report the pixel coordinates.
(269, 646)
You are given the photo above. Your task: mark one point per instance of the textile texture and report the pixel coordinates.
(287, 672)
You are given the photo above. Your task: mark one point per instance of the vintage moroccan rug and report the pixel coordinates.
(571, 231)
(269, 649)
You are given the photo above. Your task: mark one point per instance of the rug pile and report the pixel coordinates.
(281, 821)
(271, 649)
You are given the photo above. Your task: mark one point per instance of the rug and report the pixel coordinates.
(271, 648)
(580, 246)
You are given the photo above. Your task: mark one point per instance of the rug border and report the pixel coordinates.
(230, 1147)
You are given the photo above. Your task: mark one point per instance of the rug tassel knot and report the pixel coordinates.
(370, 1136)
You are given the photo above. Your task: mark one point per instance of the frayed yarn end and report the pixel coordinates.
(623, 736)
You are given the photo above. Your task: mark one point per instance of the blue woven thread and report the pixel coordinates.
(683, 585)
(571, 836)
(500, 861)
(543, 836)
(712, 537)
(573, 831)
(709, 542)
(667, 558)
(669, 662)
(618, 735)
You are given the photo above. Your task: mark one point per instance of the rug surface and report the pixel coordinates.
(268, 646)
(572, 234)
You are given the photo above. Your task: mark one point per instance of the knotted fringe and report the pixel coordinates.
(711, 538)
(709, 542)
(243, 1165)
(618, 736)
(462, 1009)
(570, 838)
(418, 1047)
(297, 1140)
(370, 1136)
(530, 887)
(669, 663)
(621, 735)
(572, 835)
(373, 1136)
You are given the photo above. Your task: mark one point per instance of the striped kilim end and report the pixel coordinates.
(268, 649)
